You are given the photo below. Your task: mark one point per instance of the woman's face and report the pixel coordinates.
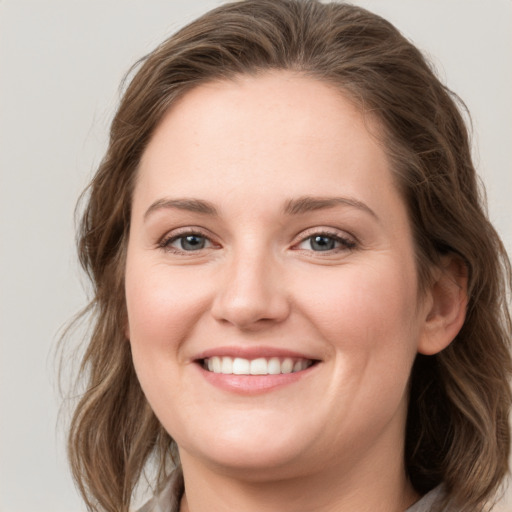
(271, 284)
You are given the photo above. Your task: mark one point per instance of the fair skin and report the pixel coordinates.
(228, 260)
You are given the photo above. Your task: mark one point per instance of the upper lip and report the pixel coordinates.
(252, 353)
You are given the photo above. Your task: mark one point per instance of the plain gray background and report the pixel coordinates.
(61, 62)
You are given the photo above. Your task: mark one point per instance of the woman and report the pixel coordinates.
(300, 303)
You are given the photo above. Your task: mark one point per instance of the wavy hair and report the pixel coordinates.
(457, 428)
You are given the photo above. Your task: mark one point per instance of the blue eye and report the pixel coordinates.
(187, 243)
(323, 242)
(192, 242)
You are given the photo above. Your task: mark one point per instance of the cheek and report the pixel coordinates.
(367, 309)
(163, 305)
(366, 315)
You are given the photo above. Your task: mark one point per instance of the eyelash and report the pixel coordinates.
(346, 244)
(166, 241)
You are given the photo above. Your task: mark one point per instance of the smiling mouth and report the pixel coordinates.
(260, 366)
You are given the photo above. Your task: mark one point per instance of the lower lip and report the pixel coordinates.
(253, 384)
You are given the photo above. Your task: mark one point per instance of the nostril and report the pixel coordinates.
(251, 312)
(250, 294)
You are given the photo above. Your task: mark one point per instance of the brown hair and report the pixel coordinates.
(457, 427)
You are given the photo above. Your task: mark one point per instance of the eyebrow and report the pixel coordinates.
(191, 205)
(292, 207)
(308, 203)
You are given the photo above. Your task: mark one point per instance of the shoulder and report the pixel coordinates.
(429, 502)
(168, 499)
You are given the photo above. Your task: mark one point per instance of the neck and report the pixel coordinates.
(366, 486)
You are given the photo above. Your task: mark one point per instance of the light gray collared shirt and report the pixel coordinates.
(169, 499)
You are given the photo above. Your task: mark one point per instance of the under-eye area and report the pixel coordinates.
(259, 366)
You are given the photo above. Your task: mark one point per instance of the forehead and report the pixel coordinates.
(275, 131)
(302, 107)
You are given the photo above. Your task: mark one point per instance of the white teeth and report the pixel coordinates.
(274, 366)
(297, 367)
(241, 366)
(216, 364)
(227, 365)
(287, 366)
(259, 366)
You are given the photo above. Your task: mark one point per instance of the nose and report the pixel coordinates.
(251, 292)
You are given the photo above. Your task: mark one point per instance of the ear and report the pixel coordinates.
(446, 305)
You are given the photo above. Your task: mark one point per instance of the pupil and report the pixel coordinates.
(322, 243)
(192, 242)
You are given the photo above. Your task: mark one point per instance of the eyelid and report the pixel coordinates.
(349, 241)
(164, 241)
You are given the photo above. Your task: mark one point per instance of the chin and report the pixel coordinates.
(254, 465)
(255, 456)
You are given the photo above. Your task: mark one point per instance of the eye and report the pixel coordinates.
(324, 242)
(186, 242)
